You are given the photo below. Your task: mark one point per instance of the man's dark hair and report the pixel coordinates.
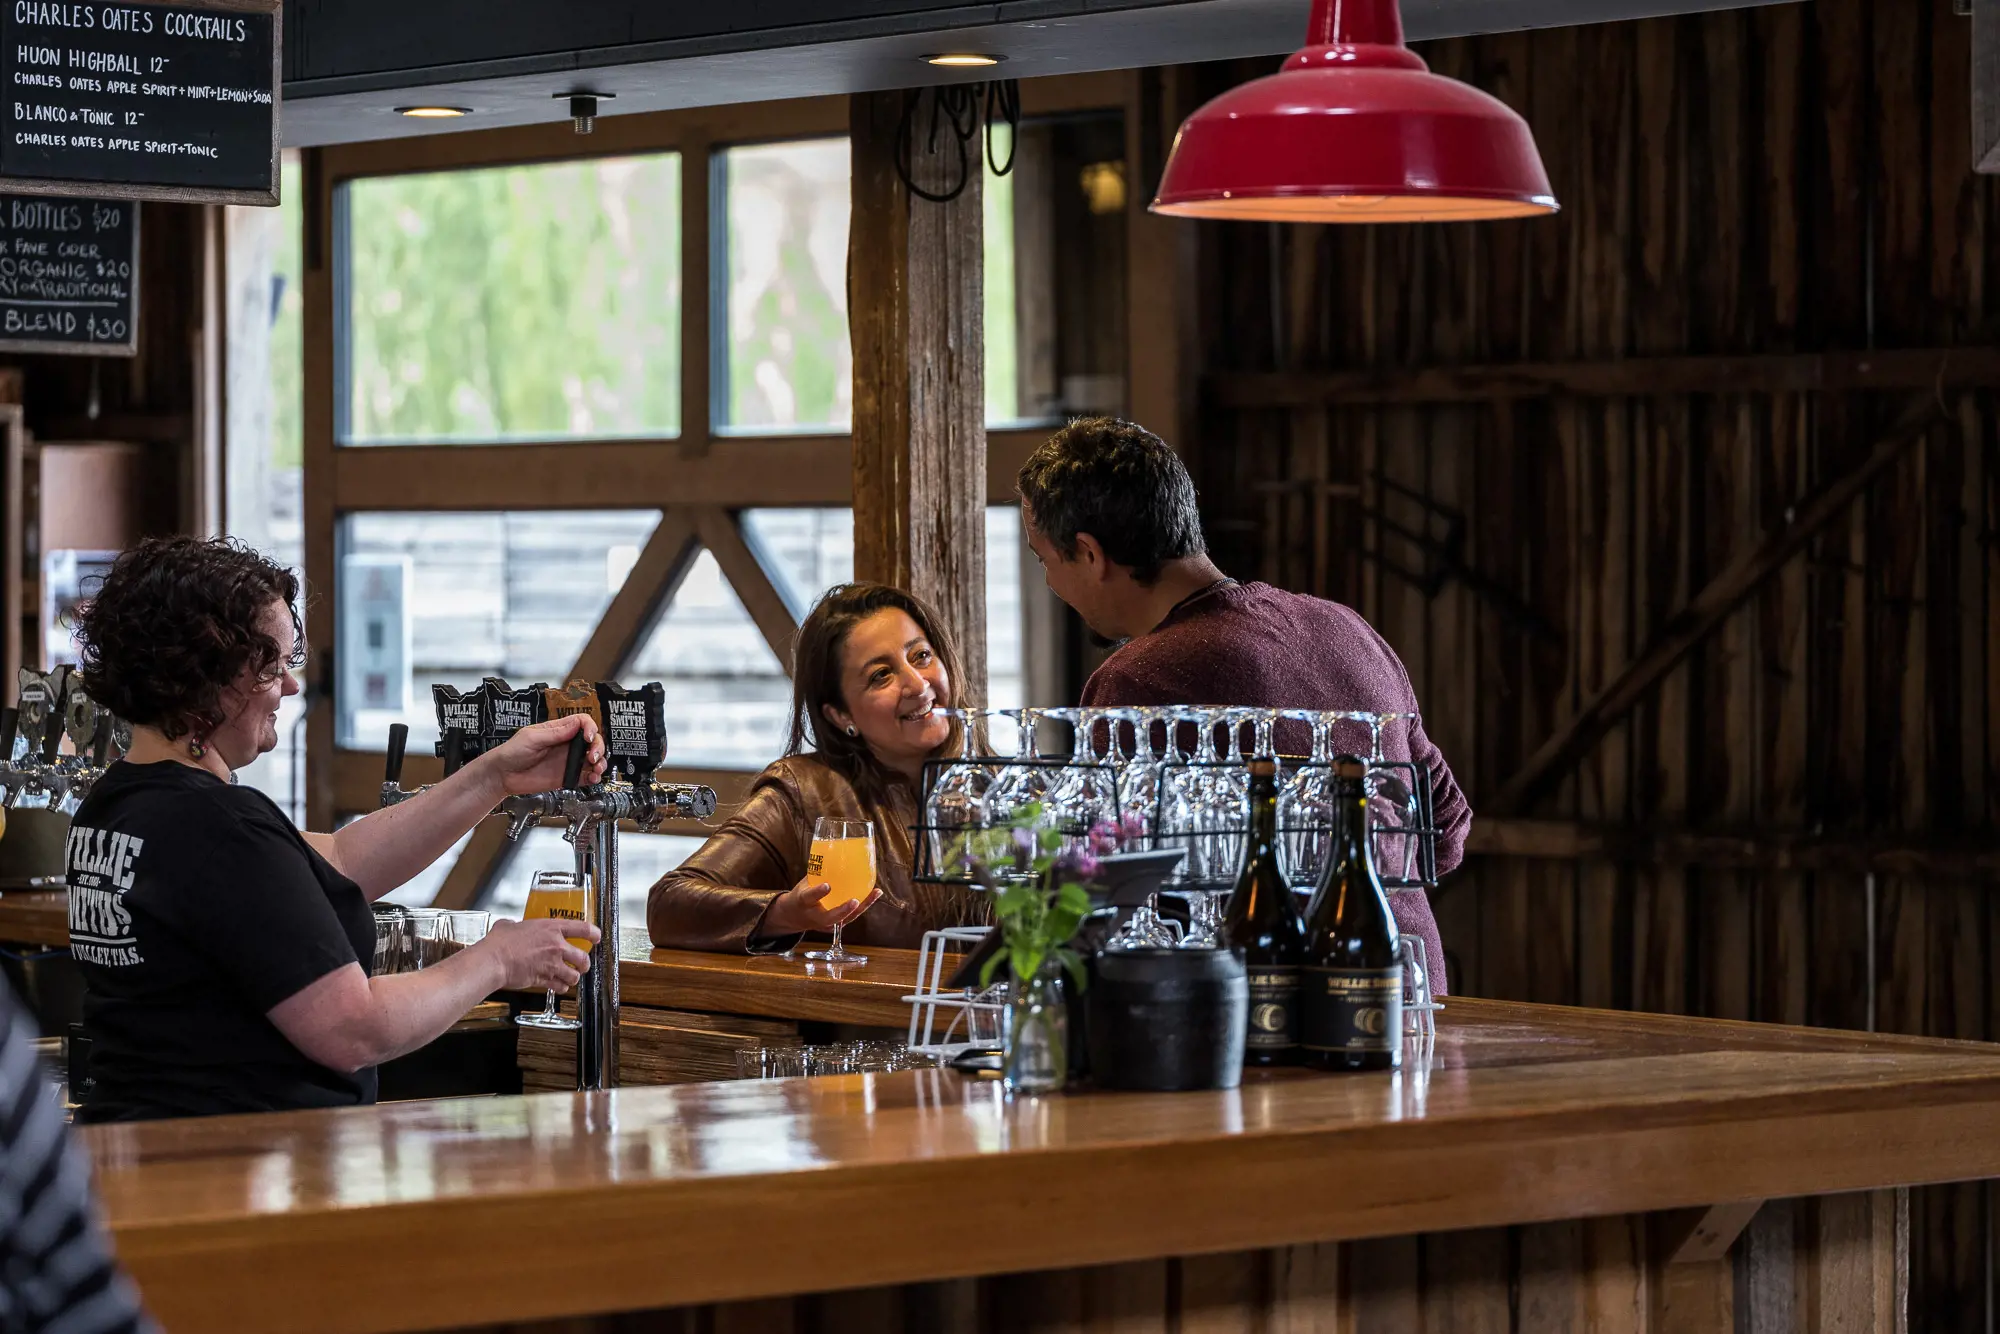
(176, 621)
(1118, 482)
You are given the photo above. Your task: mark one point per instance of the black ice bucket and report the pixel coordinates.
(1167, 1020)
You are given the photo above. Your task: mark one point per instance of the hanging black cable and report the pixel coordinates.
(1005, 96)
(959, 108)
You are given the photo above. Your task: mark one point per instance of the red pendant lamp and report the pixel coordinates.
(1355, 128)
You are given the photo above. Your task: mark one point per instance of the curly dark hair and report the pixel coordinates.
(174, 623)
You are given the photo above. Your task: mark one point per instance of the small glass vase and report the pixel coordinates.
(1036, 1035)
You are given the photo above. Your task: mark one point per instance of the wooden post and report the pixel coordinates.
(915, 285)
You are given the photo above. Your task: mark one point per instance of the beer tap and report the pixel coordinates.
(11, 777)
(591, 816)
(86, 775)
(43, 779)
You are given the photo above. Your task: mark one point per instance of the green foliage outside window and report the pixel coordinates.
(515, 302)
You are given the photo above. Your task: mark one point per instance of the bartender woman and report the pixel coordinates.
(225, 954)
(871, 670)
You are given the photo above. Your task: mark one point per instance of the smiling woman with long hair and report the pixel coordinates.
(871, 671)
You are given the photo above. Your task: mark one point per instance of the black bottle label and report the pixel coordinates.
(1351, 1009)
(1274, 1008)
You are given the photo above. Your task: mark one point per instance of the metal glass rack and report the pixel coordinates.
(945, 852)
(1413, 864)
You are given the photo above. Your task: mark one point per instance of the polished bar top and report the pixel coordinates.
(35, 917)
(462, 1213)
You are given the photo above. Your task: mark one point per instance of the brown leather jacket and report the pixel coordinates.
(716, 898)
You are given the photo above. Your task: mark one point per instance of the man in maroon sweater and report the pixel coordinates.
(1110, 513)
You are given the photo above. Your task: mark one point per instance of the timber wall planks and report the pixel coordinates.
(1792, 179)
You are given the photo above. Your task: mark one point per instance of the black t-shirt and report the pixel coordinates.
(194, 907)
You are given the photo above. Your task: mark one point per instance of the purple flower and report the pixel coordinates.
(1132, 826)
(1075, 864)
(1104, 838)
(1024, 848)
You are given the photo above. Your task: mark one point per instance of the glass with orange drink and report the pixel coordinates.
(842, 855)
(556, 894)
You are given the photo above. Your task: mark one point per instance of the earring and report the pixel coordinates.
(197, 747)
(851, 731)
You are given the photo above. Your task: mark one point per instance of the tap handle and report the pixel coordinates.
(52, 739)
(454, 750)
(399, 737)
(100, 745)
(10, 727)
(573, 766)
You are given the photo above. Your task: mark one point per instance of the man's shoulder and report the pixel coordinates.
(1267, 599)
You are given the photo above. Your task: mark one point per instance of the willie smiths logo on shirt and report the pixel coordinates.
(101, 864)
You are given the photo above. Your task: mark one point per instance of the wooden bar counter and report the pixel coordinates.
(38, 917)
(1540, 1168)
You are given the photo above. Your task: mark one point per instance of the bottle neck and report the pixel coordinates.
(1263, 813)
(1352, 798)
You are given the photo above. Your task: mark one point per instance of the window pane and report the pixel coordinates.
(811, 550)
(788, 363)
(514, 302)
(727, 694)
(451, 598)
(266, 407)
(1001, 326)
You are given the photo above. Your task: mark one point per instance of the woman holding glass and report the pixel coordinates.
(226, 955)
(823, 843)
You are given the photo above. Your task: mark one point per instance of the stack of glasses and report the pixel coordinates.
(832, 1058)
(408, 940)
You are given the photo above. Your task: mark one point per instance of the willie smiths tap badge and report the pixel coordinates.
(86, 721)
(576, 697)
(507, 710)
(635, 728)
(464, 711)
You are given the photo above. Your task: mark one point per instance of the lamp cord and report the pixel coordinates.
(959, 107)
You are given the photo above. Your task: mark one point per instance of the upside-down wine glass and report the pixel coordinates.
(956, 805)
(1084, 794)
(1217, 796)
(1138, 783)
(1393, 813)
(1305, 804)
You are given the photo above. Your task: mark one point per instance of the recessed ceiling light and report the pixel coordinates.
(434, 113)
(963, 59)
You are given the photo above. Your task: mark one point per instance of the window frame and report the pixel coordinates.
(704, 477)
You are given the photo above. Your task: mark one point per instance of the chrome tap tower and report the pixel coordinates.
(43, 777)
(592, 817)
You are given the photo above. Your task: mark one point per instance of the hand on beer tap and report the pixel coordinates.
(532, 759)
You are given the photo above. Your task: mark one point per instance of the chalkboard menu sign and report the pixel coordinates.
(141, 100)
(69, 275)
